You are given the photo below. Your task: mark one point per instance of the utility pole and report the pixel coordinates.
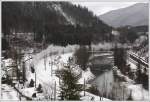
(23, 72)
(93, 52)
(59, 71)
(84, 86)
(45, 61)
(106, 89)
(100, 96)
(16, 62)
(43, 47)
(35, 79)
(51, 68)
(55, 91)
(123, 93)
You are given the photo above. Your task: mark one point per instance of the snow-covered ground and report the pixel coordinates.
(46, 64)
(8, 93)
(91, 97)
(138, 92)
(4, 65)
(87, 75)
(132, 65)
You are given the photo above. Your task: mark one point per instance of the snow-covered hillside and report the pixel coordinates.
(58, 9)
(141, 47)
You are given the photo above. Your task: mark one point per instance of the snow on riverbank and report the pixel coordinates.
(138, 92)
(87, 75)
(91, 97)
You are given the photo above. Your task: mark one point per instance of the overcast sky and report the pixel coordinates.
(102, 7)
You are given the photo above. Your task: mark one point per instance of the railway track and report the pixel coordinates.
(137, 60)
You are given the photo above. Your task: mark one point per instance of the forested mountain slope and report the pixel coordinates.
(60, 22)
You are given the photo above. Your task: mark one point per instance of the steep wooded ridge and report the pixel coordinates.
(135, 15)
(60, 22)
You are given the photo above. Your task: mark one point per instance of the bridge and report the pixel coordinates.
(138, 61)
(101, 53)
(104, 53)
(131, 57)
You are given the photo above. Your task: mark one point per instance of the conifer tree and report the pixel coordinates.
(69, 88)
(139, 74)
(82, 57)
(120, 58)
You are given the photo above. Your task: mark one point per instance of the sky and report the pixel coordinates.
(99, 8)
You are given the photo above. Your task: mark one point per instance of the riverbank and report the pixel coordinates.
(135, 91)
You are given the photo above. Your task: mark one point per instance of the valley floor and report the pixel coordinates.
(46, 63)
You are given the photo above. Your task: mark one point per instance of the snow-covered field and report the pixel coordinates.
(8, 93)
